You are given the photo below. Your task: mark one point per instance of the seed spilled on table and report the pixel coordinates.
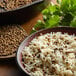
(10, 38)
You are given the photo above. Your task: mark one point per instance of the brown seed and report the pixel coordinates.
(38, 56)
(13, 4)
(10, 38)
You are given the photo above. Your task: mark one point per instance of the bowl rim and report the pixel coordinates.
(24, 6)
(34, 34)
(8, 56)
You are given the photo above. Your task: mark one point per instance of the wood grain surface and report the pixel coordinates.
(29, 25)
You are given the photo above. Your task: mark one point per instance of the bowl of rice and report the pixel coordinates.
(49, 52)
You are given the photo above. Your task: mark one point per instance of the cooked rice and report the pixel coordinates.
(48, 55)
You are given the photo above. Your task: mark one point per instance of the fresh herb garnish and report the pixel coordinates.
(62, 14)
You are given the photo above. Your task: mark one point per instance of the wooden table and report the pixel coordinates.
(10, 68)
(28, 25)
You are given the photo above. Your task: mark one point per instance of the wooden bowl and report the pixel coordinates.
(9, 56)
(22, 14)
(26, 42)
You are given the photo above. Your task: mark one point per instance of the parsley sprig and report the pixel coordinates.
(62, 14)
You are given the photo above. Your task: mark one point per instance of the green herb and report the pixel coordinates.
(62, 14)
(73, 22)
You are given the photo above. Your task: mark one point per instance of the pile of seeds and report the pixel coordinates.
(10, 39)
(13, 4)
